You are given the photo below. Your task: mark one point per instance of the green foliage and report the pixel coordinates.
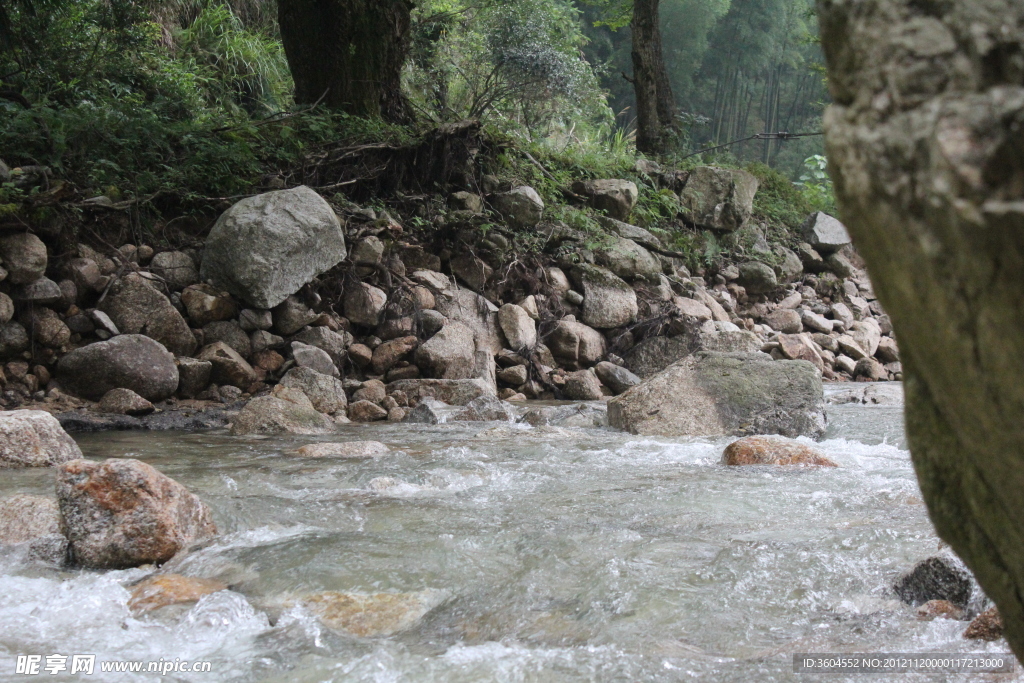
(816, 185)
(778, 202)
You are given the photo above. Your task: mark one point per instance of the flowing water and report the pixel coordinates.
(552, 555)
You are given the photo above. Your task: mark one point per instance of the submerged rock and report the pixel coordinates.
(162, 590)
(937, 578)
(286, 411)
(580, 415)
(428, 411)
(123, 513)
(371, 615)
(986, 626)
(265, 248)
(939, 609)
(718, 394)
(773, 450)
(33, 438)
(351, 449)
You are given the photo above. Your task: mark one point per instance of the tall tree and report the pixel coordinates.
(655, 103)
(348, 53)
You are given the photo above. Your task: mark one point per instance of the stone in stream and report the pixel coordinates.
(372, 615)
(162, 590)
(32, 523)
(939, 609)
(487, 408)
(124, 513)
(773, 450)
(326, 393)
(936, 578)
(428, 411)
(285, 411)
(366, 411)
(986, 626)
(616, 377)
(582, 385)
(456, 392)
(718, 394)
(580, 415)
(124, 402)
(33, 438)
(351, 449)
(131, 361)
(265, 248)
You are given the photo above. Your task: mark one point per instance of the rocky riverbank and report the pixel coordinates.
(363, 313)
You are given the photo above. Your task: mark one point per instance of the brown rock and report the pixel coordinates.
(124, 402)
(228, 366)
(365, 411)
(939, 609)
(136, 307)
(773, 450)
(268, 360)
(372, 390)
(123, 513)
(390, 352)
(361, 354)
(800, 347)
(162, 590)
(33, 522)
(206, 304)
(582, 385)
(986, 626)
(286, 411)
(367, 616)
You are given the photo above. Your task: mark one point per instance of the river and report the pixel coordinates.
(551, 554)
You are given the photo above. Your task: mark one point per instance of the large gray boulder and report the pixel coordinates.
(719, 198)
(131, 361)
(449, 354)
(615, 197)
(522, 207)
(24, 257)
(136, 307)
(31, 524)
(654, 354)
(265, 248)
(177, 269)
(627, 259)
(124, 513)
(34, 438)
(721, 394)
(326, 393)
(286, 411)
(608, 301)
(825, 233)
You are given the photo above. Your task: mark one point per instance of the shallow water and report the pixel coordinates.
(559, 554)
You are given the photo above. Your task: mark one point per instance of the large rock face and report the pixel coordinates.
(719, 198)
(136, 307)
(264, 248)
(131, 361)
(33, 438)
(124, 513)
(717, 394)
(922, 142)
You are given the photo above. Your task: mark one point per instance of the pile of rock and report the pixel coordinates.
(247, 313)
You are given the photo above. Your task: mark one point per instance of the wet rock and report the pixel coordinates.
(371, 615)
(936, 578)
(286, 411)
(582, 385)
(351, 449)
(193, 376)
(608, 302)
(583, 415)
(41, 292)
(206, 304)
(519, 327)
(177, 269)
(757, 278)
(313, 358)
(129, 361)
(616, 377)
(773, 450)
(228, 366)
(576, 344)
(265, 248)
(719, 198)
(326, 393)
(184, 419)
(124, 402)
(365, 411)
(717, 394)
(457, 392)
(986, 626)
(824, 233)
(615, 197)
(870, 369)
(522, 207)
(487, 408)
(939, 609)
(123, 513)
(428, 411)
(136, 307)
(364, 304)
(162, 590)
(390, 352)
(32, 523)
(24, 256)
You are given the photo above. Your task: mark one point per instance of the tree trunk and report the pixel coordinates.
(655, 103)
(349, 53)
(924, 144)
